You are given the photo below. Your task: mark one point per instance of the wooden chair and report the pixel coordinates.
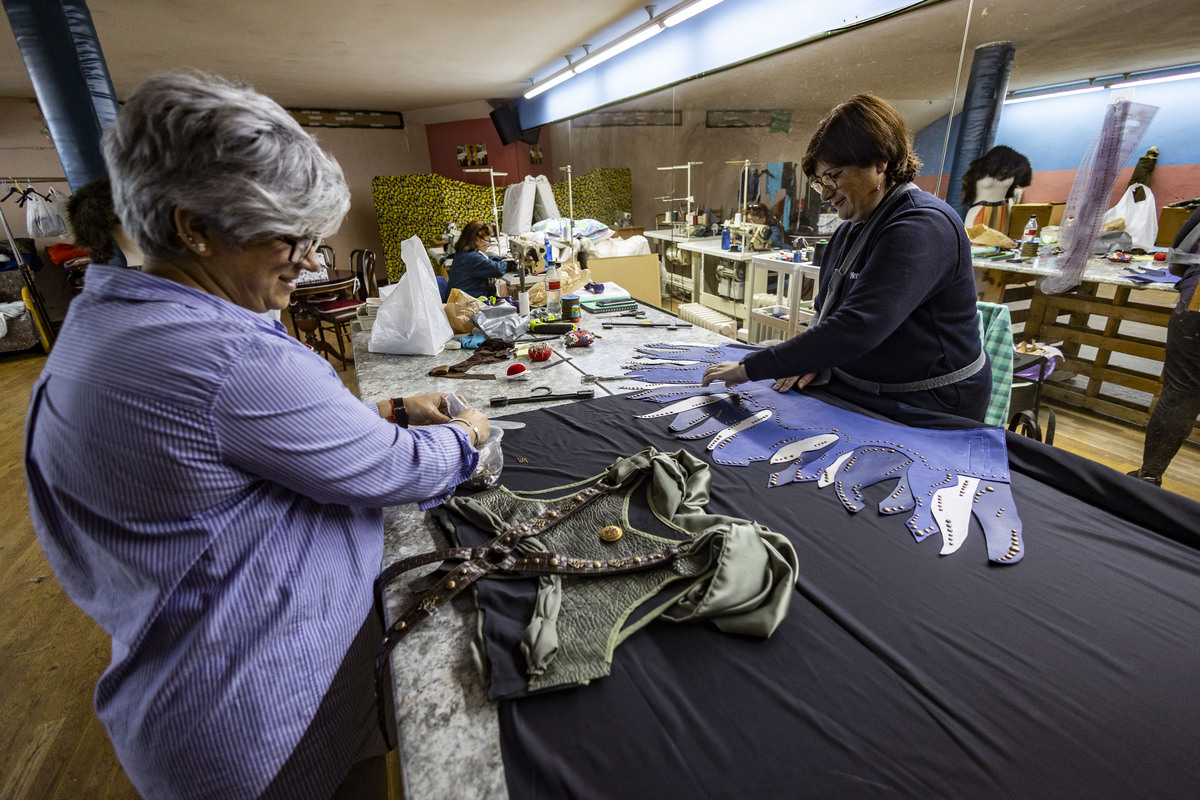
(362, 263)
(330, 257)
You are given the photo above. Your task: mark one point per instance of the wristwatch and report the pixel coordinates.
(398, 415)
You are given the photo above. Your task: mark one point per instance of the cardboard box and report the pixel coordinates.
(1170, 220)
(1020, 215)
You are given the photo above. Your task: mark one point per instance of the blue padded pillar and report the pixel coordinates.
(58, 43)
(986, 88)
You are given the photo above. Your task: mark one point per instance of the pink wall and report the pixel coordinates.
(445, 137)
(1168, 183)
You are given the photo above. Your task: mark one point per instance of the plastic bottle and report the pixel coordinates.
(725, 243)
(553, 293)
(1031, 229)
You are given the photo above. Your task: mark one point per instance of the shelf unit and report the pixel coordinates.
(784, 310)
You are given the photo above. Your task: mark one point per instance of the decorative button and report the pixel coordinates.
(611, 533)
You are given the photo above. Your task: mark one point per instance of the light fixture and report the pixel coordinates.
(1161, 79)
(647, 30)
(550, 84)
(1026, 98)
(679, 15)
(616, 48)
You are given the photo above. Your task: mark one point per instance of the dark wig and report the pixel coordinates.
(93, 220)
(1001, 163)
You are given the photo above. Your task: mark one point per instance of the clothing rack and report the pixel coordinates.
(39, 307)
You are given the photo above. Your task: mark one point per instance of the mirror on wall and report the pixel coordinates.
(763, 112)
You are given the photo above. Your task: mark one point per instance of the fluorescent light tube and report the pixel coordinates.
(617, 48)
(1084, 90)
(687, 13)
(549, 84)
(1164, 79)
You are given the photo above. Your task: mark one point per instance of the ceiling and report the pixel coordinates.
(383, 55)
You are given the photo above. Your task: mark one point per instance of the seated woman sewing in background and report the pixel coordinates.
(896, 314)
(759, 214)
(472, 270)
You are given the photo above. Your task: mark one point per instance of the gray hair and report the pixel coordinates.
(228, 154)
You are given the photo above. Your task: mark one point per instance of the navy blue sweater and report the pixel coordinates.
(471, 272)
(906, 314)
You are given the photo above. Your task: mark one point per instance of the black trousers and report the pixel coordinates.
(1173, 417)
(344, 733)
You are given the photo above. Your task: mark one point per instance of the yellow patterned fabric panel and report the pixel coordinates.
(422, 205)
(602, 194)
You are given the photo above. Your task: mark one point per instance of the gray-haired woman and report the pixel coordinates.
(203, 485)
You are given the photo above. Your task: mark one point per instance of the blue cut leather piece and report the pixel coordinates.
(714, 354)
(664, 373)
(1144, 275)
(867, 467)
(901, 498)
(718, 417)
(996, 511)
(862, 451)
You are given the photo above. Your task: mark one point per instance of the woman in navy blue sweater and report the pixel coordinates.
(472, 270)
(896, 318)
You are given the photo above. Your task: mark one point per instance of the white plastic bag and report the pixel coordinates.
(411, 320)
(1141, 217)
(41, 218)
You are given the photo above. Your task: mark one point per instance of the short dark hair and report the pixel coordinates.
(93, 220)
(860, 132)
(466, 240)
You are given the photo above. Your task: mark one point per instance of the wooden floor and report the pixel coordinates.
(51, 745)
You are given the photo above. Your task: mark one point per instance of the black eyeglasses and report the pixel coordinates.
(300, 247)
(827, 181)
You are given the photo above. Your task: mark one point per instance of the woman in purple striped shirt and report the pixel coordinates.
(204, 486)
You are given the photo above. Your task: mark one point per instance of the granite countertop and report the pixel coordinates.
(1098, 270)
(448, 729)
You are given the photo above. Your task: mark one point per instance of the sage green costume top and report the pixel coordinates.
(732, 571)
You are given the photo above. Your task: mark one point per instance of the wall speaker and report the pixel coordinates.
(508, 127)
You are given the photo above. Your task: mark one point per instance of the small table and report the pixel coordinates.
(304, 310)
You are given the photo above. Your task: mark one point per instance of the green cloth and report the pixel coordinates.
(995, 329)
(736, 572)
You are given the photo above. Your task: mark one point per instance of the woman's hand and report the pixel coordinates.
(796, 381)
(477, 421)
(731, 372)
(426, 409)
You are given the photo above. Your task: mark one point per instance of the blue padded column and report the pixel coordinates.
(986, 88)
(58, 43)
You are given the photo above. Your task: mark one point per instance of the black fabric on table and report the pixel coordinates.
(898, 673)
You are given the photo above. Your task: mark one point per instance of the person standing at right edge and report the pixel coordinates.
(1173, 416)
(896, 323)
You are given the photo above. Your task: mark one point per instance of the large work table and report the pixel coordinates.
(448, 734)
(899, 671)
(1123, 321)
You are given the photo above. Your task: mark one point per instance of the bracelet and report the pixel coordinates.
(398, 415)
(471, 427)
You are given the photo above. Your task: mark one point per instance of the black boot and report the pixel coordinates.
(1141, 476)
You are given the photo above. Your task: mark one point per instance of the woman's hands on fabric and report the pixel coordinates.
(794, 382)
(730, 372)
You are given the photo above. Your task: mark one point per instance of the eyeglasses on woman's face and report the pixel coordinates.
(827, 182)
(300, 247)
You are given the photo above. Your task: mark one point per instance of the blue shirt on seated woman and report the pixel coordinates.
(472, 271)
